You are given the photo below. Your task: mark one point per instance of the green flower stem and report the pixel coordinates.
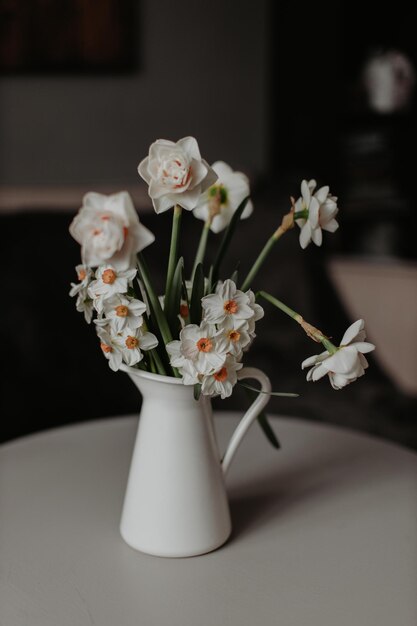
(280, 305)
(301, 215)
(259, 261)
(286, 224)
(173, 250)
(311, 331)
(201, 250)
(330, 347)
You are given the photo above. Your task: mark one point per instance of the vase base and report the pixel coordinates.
(175, 553)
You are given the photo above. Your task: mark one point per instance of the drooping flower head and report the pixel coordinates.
(176, 174)
(109, 231)
(347, 363)
(320, 208)
(221, 200)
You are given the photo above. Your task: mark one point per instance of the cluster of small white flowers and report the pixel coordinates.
(210, 353)
(119, 322)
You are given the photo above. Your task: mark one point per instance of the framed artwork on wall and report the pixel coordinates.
(68, 36)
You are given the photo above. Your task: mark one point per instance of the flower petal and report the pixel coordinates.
(317, 236)
(318, 372)
(222, 169)
(313, 212)
(163, 204)
(305, 235)
(363, 346)
(322, 193)
(344, 361)
(143, 170)
(352, 332)
(198, 173)
(190, 147)
(305, 192)
(189, 199)
(331, 226)
(316, 358)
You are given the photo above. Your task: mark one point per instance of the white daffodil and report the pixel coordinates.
(228, 303)
(84, 303)
(109, 231)
(203, 346)
(321, 209)
(258, 313)
(189, 373)
(176, 174)
(236, 336)
(224, 197)
(122, 312)
(109, 282)
(110, 347)
(221, 382)
(84, 275)
(132, 341)
(347, 363)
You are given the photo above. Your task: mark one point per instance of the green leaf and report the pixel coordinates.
(196, 294)
(235, 276)
(197, 391)
(173, 299)
(280, 394)
(160, 369)
(155, 305)
(157, 314)
(252, 393)
(210, 281)
(267, 430)
(227, 237)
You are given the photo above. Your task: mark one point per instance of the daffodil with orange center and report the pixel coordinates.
(122, 312)
(203, 347)
(221, 382)
(227, 304)
(109, 282)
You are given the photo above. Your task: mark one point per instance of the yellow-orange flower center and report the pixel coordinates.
(106, 348)
(234, 335)
(122, 311)
(108, 277)
(184, 310)
(204, 344)
(221, 375)
(231, 307)
(132, 342)
(82, 274)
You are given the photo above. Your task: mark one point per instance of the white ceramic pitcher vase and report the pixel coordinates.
(175, 503)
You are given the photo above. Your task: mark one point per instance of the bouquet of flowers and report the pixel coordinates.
(201, 328)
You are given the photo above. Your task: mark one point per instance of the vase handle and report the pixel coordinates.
(250, 415)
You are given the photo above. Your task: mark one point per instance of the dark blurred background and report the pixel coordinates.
(280, 90)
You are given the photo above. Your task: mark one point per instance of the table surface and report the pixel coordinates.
(324, 534)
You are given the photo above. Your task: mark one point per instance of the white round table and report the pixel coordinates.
(325, 533)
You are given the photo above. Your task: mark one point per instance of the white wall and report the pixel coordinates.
(203, 70)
